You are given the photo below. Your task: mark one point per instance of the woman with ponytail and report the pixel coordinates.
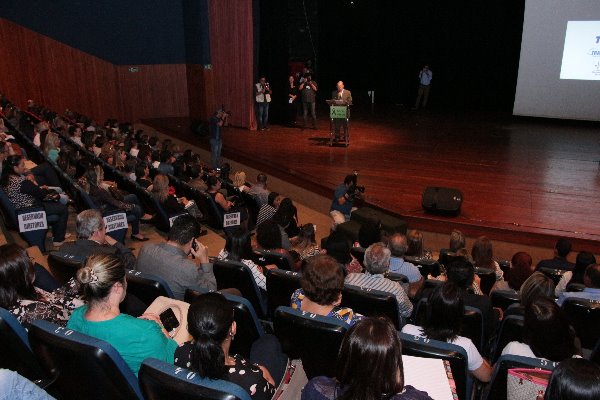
(104, 288)
(211, 324)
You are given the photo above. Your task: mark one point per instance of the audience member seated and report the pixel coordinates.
(210, 321)
(142, 175)
(321, 290)
(547, 333)
(415, 249)
(20, 296)
(591, 280)
(445, 313)
(23, 192)
(239, 181)
(238, 247)
(166, 163)
(52, 146)
(269, 238)
(574, 379)
(483, 256)
(170, 260)
(398, 246)
(104, 288)
(92, 239)
(305, 243)
(91, 184)
(259, 190)
(267, 210)
(166, 195)
(369, 366)
(17, 387)
(196, 181)
(561, 252)
(286, 216)
(584, 259)
(521, 268)
(457, 242)
(224, 205)
(461, 272)
(338, 247)
(537, 285)
(377, 262)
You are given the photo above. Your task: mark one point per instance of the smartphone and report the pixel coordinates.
(169, 320)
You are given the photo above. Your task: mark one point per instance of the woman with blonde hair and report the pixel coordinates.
(239, 181)
(104, 287)
(161, 191)
(52, 146)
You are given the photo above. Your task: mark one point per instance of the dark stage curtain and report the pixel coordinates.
(232, 58)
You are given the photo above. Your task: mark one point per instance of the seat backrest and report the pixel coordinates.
(457, 356)
(252, 207)
(584, 316)
(83, 367)
(281, 285)
(371, 302)
(15, 352)
(511, 330)
(160, 380)
(397, 277)
(426, 266)
(215, 215)
(488, 278)
(245, 317)
(147, 287)
(554, 274)
(496, 389)
(233, 274)
(504, 298)
(266, 257)
(8, 209)
(117, 234)
(64, 266)
(575, 287)
(314, 339)
(359, 254)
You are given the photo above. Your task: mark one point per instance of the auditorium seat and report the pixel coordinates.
(370, 302)
(10, 214)
(147, 287)
(554, 274)
(281, 284)
(504, 298)
(457, 357)
(266, 257)
(160, 380)
(314, 339)
(575, 287)
(64, 266)
(488, 278)
(511, 329)
(245, 317)
(496, 388)
(81, 366)
(15, 351)
(584, 316)
(233, 274)
(426, 266)
(359, 254)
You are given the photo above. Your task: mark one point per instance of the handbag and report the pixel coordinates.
(117, 193)
(527, 383)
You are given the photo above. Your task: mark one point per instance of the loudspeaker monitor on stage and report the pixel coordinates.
(442, 201)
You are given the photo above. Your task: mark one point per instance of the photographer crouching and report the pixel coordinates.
(343, 199)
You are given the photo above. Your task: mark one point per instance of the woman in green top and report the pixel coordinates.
(105, 287)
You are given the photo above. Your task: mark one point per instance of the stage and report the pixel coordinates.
(523, 180)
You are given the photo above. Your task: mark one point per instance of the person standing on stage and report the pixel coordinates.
(292, 107)
(216, 140)
(308, 88)
(262, 95)
(425, 77)
(341, 94)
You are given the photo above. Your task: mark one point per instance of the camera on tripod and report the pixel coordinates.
(357, 189)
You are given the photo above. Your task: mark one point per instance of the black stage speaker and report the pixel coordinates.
(441, 200)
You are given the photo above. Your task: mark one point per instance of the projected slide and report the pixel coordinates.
(581, 54)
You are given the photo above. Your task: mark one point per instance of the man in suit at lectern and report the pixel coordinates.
(341, 94)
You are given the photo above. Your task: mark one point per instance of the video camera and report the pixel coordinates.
(357, 189)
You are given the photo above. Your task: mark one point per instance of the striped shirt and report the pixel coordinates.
(381, 283)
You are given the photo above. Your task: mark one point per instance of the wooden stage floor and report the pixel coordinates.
(524, 180)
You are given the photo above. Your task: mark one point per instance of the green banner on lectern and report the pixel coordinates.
(338, 112)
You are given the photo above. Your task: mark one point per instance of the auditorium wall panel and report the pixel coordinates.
(33, 66)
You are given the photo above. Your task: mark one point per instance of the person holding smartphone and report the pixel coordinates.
(172, 260)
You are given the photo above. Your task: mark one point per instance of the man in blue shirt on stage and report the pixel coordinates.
(216, 141)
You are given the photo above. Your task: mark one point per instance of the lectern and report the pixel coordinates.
(339, 115)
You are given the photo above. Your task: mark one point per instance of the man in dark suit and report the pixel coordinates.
(341, 94)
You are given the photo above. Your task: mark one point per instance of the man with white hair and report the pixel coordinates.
(398, 246)
(343, 94)
(377, 262)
